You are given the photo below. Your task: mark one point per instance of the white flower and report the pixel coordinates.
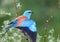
(18, 30)
(51, 40)
(20, 40)
(0, 33)
(2, 12)
(51, 31)
(47, 20)
(14, 34)
(3, 39)
(19, 5)
(6, 22)
(51, 16)
(38, 38)
(19, 36)
(3, 32)
(11, 29)
(58, 41)
(9, 14)
(49, 36)
(12, 38)
(2, 26)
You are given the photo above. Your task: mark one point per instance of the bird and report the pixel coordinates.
(26, 24)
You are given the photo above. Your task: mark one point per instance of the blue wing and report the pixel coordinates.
(30, 24)
(13, 24)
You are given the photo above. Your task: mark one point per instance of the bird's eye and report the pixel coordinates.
(29, 12)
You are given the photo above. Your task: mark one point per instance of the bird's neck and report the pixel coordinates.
(28, 16)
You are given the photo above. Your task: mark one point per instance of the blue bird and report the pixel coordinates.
(24, 23)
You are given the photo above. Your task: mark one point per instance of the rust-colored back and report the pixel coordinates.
(21, 19)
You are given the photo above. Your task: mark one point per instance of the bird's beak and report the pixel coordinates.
(32, 12)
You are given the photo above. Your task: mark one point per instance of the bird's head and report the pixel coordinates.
(27, 13)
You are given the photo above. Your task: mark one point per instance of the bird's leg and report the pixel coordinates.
(26, 36)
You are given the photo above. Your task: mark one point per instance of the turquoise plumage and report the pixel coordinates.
(26, 24)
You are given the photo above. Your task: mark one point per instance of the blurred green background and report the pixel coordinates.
(46, 14)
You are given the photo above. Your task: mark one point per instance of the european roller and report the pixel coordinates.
(24, 23)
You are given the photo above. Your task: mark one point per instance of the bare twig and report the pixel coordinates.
(47, 23)
(16, 8)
